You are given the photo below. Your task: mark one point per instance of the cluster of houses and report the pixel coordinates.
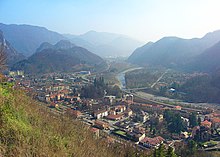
(114, 113)
(208, 129)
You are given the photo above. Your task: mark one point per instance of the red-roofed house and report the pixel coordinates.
(115, 117)
(216, 122)
(206, 124)
(178, 107)
(152, 142)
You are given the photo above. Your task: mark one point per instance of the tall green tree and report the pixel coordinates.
(193, 120)
(199, 121)
(170, 152)
(192, 147)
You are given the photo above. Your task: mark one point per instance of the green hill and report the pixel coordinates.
(27, 129)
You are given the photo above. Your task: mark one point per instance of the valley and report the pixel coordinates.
(162, 95)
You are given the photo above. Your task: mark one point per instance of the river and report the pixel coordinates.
(121, 77)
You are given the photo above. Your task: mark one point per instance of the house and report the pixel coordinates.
(185, 121)
(137, 137)
(128, 112)
(152, 142)
(160, 117)
(100, 114)
(120, 108)
(142, 116)
(109, 99)
(129, 98)
(101, 125)
(206, 123)
(112, 112)
(184, 135)
(178, 107)
(215, 123)
(115, 117)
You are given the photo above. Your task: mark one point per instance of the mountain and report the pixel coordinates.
(106, 44)
(203, 88)
(26, 38)
(12, 55)
(173, 51)
(61, 57)
(208, 61)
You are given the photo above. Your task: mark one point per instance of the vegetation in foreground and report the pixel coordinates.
(27, 129)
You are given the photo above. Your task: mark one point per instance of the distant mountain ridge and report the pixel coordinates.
(106, 44)
(61, 57)
(27, 38)
(173, 51)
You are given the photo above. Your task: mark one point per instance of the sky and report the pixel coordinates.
(145, 20)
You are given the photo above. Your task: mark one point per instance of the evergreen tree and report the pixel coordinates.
(199, 121)
(161, 151)
(192, 147)
(193, 120)
(170, 152)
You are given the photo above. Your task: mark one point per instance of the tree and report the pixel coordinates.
(199, 121)
(3, 58)
(161, 151)
(174, 121)
(192, 147)
(170, 152)
(193, 120)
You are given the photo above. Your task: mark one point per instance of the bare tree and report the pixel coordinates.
(3, 58)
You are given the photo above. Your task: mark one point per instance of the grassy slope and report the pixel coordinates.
(27, 129)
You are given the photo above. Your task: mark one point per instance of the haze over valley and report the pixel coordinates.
(110, 78)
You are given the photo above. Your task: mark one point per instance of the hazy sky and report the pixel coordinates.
(146, 20)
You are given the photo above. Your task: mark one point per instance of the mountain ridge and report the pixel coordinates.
(57, 58)
(173, 51)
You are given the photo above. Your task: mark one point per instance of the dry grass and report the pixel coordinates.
(27, 129)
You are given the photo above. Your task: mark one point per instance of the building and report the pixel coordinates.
(120, 108)
(115, 117)
(206, 124)
(137, 137)
(142, 116)
(178, 107)
(101, 125)
(128, 112)
(112, 112)
(186, 121)
(152, 142)
(215, 123)
(109, 99)
(129, 98)
(100, 114)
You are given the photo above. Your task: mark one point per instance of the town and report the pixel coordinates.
(121, 116)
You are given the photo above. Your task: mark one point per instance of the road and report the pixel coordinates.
(121, 79)
(139, 95)
(159, 78)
